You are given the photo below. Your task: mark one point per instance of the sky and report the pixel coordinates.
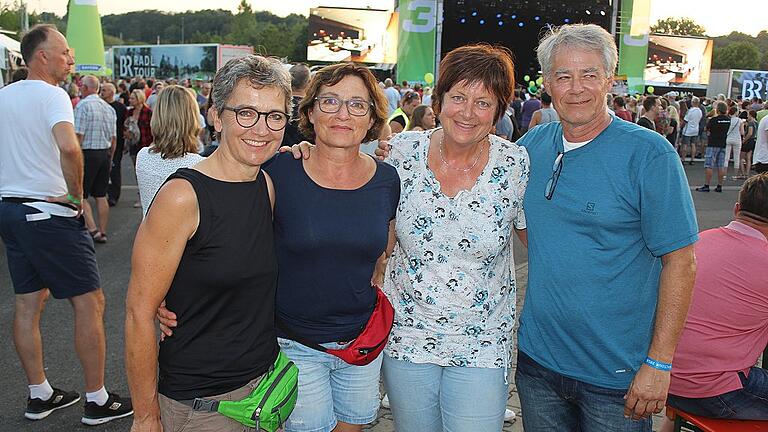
(718, 18)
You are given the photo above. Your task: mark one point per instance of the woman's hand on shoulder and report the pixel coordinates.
(299, 151)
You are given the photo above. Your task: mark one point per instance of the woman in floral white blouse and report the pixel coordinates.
(451, 277)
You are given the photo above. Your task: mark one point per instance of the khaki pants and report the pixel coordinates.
(177, 417)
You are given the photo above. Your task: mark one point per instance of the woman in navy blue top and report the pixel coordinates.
(333, 224)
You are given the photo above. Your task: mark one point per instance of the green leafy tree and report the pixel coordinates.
(678, 26)
(739, 55)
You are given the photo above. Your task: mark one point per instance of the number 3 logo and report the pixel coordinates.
(425, 19)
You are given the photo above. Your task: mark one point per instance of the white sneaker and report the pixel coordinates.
(509, 415)
(385, 401)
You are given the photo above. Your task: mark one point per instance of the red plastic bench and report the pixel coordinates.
(704, 424)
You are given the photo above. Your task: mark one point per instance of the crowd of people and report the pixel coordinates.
(394, 207)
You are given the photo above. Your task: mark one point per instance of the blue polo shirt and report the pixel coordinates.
(594, 250)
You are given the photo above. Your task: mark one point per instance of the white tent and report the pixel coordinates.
(10, 55)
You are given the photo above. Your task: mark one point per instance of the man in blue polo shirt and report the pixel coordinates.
(611, 226)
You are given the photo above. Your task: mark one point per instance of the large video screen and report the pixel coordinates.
(678, 61)
(346, 34)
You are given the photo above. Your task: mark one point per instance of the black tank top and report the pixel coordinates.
(223, 292)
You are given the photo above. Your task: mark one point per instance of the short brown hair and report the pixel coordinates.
(332, 75)
(482, 63)
(33, 39)
(175, 122)
(753, 198)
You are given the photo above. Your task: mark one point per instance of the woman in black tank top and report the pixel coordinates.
(206, 247)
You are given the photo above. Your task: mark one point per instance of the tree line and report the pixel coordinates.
(286, 36)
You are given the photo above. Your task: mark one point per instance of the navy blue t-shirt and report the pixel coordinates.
(327, 243)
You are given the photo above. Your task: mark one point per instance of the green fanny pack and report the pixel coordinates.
(269, 404)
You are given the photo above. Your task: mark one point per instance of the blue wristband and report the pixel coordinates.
(666, 367)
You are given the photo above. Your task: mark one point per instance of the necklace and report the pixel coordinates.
(464, 170)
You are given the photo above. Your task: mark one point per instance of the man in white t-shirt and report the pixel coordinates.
(47, 245)
(760, 156)
(690, 130)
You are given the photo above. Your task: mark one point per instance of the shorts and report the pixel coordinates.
(331, 390)
(177, 417)
(688, 140)
(96, 172)
(55, 253)
(748, 146)
(714, 157)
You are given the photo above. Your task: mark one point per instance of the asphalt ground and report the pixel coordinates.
(63, 369)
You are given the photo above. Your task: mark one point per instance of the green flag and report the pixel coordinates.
(416, 40)
(85, 38)
(633, 42)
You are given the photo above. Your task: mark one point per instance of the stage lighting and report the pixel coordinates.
(537, 18)
(513, 16)
(501, 23)
(474, 13)
(602, 12)
(567, 20)
(588, 12)
(482, 21)
(520, 24)
(498, 15)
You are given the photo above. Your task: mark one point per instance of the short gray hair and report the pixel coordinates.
(258, 71)
(588, 37)
(695, 101)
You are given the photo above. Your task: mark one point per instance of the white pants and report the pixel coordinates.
(736, 147)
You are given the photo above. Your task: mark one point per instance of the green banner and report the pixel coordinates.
(633, 42)
(85, 38)
(416, 41)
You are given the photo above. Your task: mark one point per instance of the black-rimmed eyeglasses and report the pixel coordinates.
(332, 105)
(557, 168)
(247, 117)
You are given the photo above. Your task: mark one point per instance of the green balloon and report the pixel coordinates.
(539, 80)
(526, 78)
(651, 89)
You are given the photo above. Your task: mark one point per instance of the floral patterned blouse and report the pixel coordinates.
(451, 277)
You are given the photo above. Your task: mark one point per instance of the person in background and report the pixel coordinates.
(689, 135)
(115, 173)
(717, 128)
(96, 129)
(733, 141)
(19, 74)
(392, 95)
(152, 98)
(632, 108)
(650, 111)
(400, 119)
(713, 372)
(760, 155)
(423, 118)
(300, 76)
(674, 121)
(546, 114)
(74, 94)
(750, 138)
(203, 95)
(426, 98)
(529, 107)
(174, 130)
(620, 109)
(138, 124)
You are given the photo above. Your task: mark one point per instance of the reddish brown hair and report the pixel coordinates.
(479, 63)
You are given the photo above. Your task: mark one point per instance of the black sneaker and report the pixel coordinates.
(115, 408)
(719, 188)
(704, 188)
(38, 409)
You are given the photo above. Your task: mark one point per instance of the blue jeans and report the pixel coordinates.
(426, 397)
(749, 403)
(550, 401)
(331, 390)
